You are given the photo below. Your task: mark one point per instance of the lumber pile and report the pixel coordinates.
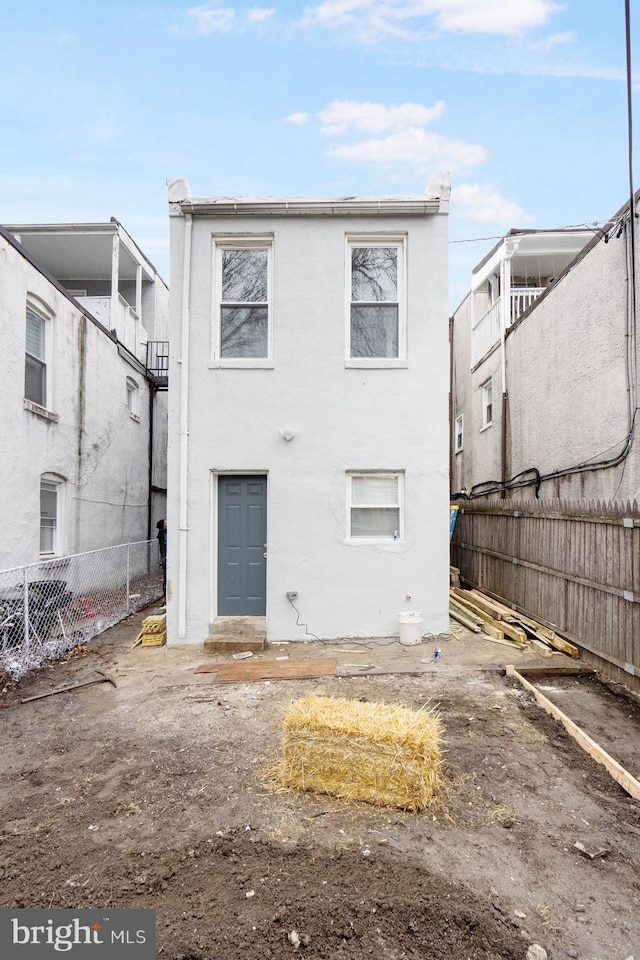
(502, 624)
(385, 755)
(153, 632)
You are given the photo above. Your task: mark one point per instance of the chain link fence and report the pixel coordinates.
(48, 608)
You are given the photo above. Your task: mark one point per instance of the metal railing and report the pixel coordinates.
(47, 608)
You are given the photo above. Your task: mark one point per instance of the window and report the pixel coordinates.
(375, 506)
(458, 433)
(132, 397)
(243, 285)
(376, 322)
(487, 404)
(35, 370)
(51, 488)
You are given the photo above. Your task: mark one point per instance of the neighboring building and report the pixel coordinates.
(308, 414)
(85, 464)
(543, 353)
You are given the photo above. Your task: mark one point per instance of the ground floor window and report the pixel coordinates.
(375, 506)
(51, 488)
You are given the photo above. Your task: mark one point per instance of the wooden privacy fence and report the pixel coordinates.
(574, 564)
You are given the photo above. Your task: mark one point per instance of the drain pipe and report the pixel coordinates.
(184, 430)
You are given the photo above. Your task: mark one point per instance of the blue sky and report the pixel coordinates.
(523, 102)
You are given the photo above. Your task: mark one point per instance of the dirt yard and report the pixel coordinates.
(154, 794)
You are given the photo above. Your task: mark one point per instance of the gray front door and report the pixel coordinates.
(242, 538)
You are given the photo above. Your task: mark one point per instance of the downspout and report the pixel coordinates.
(184, 431)
(505, 295)
(82, 398)
(152, 394)
(451, 408)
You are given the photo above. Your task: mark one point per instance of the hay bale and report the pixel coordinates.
(386, 755)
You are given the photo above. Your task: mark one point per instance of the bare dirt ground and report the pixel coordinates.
(154, 794)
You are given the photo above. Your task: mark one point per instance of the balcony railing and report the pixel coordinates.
(522, 298)
(486, 331)
(158, 363)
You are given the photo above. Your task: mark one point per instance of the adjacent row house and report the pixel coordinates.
(83, 335)
(544, 352)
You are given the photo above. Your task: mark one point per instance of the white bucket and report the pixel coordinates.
(410, 628)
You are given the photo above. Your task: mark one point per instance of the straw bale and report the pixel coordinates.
(385, 755)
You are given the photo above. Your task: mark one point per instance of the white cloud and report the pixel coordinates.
(485, 204)
(212, 20)
(415, 145)
(298, 119)
(491, 16)
(554, 40)
(260, 14)
(376, 18)
(340, 115)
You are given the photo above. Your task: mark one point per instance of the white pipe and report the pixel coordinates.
(184, 431)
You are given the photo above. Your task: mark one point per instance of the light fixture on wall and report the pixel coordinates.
(287, 433)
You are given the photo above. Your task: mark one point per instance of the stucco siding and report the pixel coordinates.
(343, 419)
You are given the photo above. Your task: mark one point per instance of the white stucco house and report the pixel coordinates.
(544, 351)
(307, 475)
(82, 413)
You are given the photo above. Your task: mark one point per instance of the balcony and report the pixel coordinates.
(158, 363)
(487, 330)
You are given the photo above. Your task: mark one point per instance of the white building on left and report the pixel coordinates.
(83, 341)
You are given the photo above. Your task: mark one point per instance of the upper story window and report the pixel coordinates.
(132, 398)
(458, 434)
(376, 332)
(375, 506)
(37, 387)
(486, 391)
(243, 300)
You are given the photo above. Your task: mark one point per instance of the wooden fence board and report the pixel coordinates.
(577, 566)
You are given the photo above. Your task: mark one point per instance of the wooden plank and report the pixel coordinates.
(456, 614)
(505, 642)
(490, 607)
(271, 669)
(559, 643)
(492, 631)
(622, 776)
(468, 610)
(540, 647)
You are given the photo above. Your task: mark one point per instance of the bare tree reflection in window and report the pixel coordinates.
(374, 302)
(244, 317)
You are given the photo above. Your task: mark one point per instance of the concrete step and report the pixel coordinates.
(240, 626)
(221, 643)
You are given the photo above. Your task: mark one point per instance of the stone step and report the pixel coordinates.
(221, 642)
(248, 627)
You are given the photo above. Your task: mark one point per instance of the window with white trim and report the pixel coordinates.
(36, 370)
(132, 397)
(486, 391)
(458, 433)
(375, 506)
(376, 327)
(243, 299)
(51, 504)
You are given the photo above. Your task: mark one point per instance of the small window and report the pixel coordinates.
(376, 327)
(459, 433)
(243, 284)
(487, 404)
(375, 506)
(35, 376)
(132, 397)
(50, 515)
